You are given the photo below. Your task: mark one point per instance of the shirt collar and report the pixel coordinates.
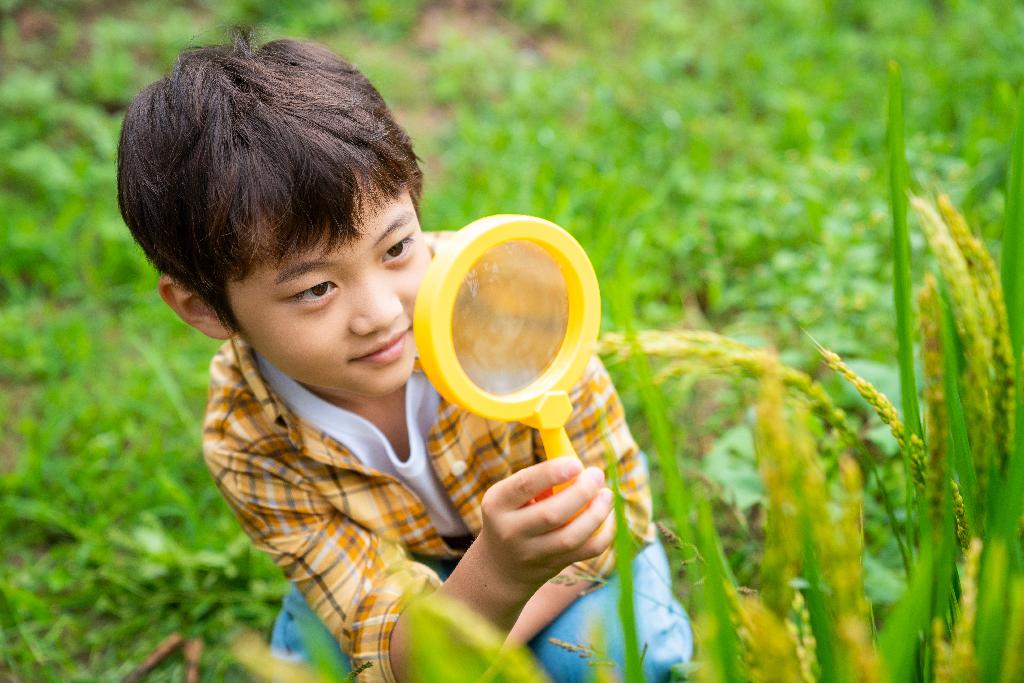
(302, 435)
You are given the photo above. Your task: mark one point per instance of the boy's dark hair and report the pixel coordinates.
(242, 155)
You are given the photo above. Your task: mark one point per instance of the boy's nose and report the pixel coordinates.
(378, 312)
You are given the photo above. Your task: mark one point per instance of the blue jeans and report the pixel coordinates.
(662, 625)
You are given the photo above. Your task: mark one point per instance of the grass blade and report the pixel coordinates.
(1007, 514)
(1013, 233)
(960, 447)
(902, 288)
(1013, 656)
(656, 412)
(624, 554)
(898, 640)
(720, 640)
(991, 625)
(901, 253)
(815, 596)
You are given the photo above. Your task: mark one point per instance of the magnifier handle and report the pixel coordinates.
(557, 445)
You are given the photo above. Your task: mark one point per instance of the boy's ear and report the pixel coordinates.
(191, 308)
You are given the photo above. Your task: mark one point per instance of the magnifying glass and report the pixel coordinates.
(505, 321)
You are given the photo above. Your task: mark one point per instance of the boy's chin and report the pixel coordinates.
(380, 383)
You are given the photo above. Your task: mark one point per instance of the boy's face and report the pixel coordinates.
(340, 322)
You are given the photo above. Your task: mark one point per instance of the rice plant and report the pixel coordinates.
(957, 514)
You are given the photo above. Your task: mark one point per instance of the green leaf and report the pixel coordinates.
(720, 640)
(993, 583)
(664, 432)
(624, 553)
(450, 642)
(815, 594)
(1013, 234)
(899, 639)
(1011, 494)
(730, 464)
(960, 447)
(902, 287)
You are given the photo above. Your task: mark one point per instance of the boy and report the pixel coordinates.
(278, 199)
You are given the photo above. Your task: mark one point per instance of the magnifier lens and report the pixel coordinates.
(510, 317)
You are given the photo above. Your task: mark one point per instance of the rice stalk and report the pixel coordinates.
(719, 624)
(739, 620)
(803, 635)
(798, 507)
(942, 653)
(772, 651)
(989, 292)
(1010, 272)
(963, 660)
(851, 606)
(936, 417)
(698, 352)
(898, 188)
(817, 536)
(1013, 652)
(963, 535)
(778, 472)
(885, 410)
(977, 344)
(690, 352)
(624, 552)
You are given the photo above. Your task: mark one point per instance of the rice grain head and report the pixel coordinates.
(694, 353)
(773, 447)
(963, 536)
(772, 656)
(885, 410)
(970, 326)
(963, 661)
(942, 654)
(803, 636)
(848, 599)
(936, 420)
(989, 290)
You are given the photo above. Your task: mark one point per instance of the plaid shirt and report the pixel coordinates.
(343, 532)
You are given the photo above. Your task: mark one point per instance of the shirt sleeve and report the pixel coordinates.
(356, 581)
(596, 428)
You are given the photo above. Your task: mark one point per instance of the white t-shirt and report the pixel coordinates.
(369, 445)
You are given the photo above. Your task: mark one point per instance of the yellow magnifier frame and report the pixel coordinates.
(544, 403)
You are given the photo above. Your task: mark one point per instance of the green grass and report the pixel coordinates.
(723, 162)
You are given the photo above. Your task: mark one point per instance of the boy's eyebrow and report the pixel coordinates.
(399, 220)
(297, 270)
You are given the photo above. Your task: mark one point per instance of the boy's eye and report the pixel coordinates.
(399, 249)
(316, 292)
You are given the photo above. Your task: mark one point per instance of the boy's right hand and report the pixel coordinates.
(529, 541)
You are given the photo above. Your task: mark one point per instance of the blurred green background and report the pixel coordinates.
(723, 162)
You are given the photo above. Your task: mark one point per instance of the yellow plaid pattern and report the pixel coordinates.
(344, 532)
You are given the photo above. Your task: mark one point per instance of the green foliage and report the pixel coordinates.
(729, 183)
(450, 642)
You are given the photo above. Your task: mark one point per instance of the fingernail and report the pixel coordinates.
(596, 475)
(605, 495)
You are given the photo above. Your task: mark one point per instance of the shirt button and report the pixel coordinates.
(459, 468)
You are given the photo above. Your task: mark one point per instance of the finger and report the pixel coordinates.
(520, 488)
(567, 540)
(598, 541)
(552, 512)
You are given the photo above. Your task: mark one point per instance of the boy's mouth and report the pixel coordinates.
(388, 352)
